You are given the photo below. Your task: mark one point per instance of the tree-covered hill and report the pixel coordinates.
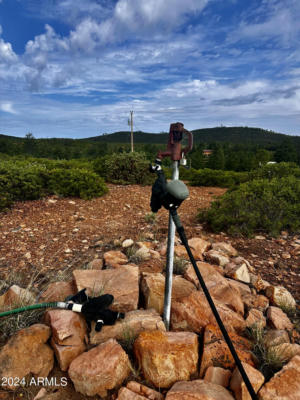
(235, 148)
(236, 135)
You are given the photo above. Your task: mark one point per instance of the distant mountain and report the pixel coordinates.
(9, 137)
(124, 137)
(236, 135)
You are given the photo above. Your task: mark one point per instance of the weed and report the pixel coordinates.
(270, 360)
(128, 338)
(179, 265)
(150, 218)
(288, 308)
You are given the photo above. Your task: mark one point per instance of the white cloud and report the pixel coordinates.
(7, 55)
(7, 107)
(275, 20)
(47, 42)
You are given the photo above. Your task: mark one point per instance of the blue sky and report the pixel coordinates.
(76, 68)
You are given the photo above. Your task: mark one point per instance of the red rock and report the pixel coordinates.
(68, 335)
(58, 291)
(218, 286)
(285, 384)
(122, 283)
(237, 384)
(136, 391)
(152, 266)
(243, 289)
(100, 369)
(97, 263)
(274, 337)
(215, 257)
(193, 313)
(198, 247)
(166, 357)
(255, 317)
(126, 394)
(225, 248)
(217, 375)
(198, 390)
(114, 258)
(27, 352)
(16, 296)
(280, 296)
(237, 272)
(153, 289)
(286, 351)
(216, 352)
(133, 324)
(68, 328)
(278, 319)
(66, 354)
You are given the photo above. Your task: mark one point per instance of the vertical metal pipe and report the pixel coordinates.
(170, 259)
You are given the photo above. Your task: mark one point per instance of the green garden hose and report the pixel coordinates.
(56, 304)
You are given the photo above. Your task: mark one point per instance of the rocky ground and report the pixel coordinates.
(114, 245)
(51, 235)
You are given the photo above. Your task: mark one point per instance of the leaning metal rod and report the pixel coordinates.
(170, 259)
(183, 238)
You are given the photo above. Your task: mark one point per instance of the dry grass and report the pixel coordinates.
(269, 359)
(10, 324)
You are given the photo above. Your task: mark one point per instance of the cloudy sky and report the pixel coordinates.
(75, 68)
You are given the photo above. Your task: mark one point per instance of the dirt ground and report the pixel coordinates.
(53, 234)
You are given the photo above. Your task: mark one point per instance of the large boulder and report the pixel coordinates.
(153, 289)
(193, 313)
(198, 390)
(237, 384)
(122, 283)
(100, 369)
(167, 357)
(68, 335)
(132, 325)
(218, 286)
(27, 352)
(285, 384)
(216, 352)
(68, 328)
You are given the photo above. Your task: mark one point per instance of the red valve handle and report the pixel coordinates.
(174, 142)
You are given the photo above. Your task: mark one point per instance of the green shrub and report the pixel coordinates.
(76, 183)
(23, 180)
(211, 177)
(30, 180)
(125, 168)
(280, 170)
(258, 205)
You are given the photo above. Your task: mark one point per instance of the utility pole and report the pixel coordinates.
(131, 125)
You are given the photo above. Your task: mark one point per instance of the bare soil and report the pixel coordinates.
(53, 234)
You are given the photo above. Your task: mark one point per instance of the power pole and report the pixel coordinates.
(131, 124)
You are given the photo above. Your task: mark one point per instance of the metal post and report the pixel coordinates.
(131, 129)
(170, 259)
